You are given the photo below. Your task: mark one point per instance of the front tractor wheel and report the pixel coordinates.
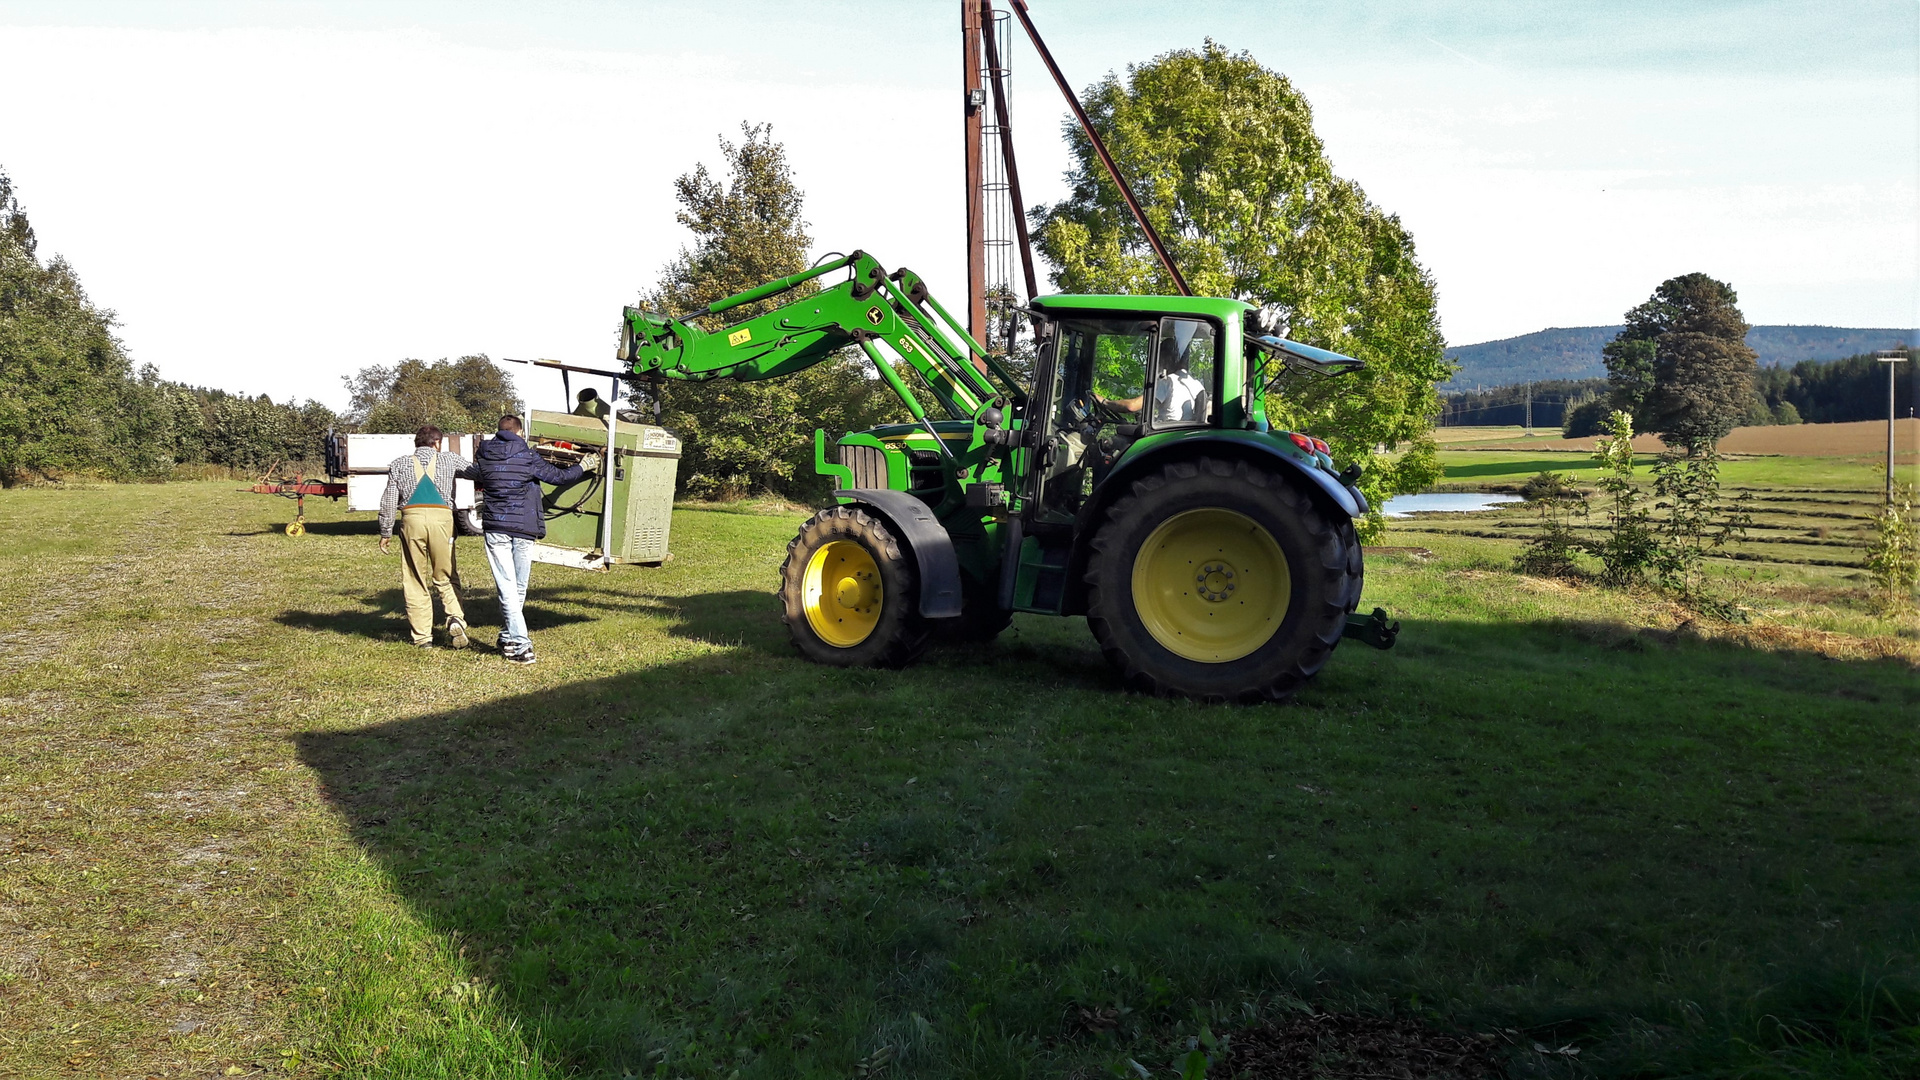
(850, 593)
(1219, 580)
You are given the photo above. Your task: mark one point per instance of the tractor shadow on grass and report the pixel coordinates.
(1055, 653)
(739, 860)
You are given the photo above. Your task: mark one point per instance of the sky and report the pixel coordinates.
(275, 195)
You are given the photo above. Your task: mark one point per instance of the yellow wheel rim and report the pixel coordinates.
(294, 528)
(1211, 585)
(841, 593)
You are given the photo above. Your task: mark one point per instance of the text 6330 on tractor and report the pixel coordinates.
(1134, 480)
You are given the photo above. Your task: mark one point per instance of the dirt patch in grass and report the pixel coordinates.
(1343, 1046)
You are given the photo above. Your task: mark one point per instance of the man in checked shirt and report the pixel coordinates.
(420, 491)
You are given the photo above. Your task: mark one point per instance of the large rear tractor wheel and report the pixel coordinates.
(850, 592)
(1219, 580)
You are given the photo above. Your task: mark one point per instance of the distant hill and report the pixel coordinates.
(1574, 352)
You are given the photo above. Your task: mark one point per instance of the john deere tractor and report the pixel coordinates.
(1133, 479)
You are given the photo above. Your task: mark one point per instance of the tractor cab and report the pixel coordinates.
(1108, 378)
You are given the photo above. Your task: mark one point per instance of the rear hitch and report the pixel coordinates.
(1373, 629)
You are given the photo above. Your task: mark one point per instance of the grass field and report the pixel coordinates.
(245, 829)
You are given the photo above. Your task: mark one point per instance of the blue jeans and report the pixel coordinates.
(511, 560)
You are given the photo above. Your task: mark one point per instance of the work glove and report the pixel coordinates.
(590, 463)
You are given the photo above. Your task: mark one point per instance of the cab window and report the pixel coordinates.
(1185, 351)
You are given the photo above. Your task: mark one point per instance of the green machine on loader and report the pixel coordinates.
(1134, 480)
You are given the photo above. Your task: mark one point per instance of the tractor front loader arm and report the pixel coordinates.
(870, 306)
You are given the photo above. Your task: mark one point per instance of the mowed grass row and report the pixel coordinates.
(673, 848)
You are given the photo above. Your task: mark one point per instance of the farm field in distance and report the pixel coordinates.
(1811, 513)
(1860, 439)
(245, 829)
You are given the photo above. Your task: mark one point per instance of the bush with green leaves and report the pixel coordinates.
(1551, 551)
(1628, 546)
(1893, 555)
(1587, 418)
(1687, 485)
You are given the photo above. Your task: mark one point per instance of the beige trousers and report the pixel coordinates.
(426, 568)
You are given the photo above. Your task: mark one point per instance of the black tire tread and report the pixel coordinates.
(902, 635)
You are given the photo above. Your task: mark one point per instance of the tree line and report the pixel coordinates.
(73, 404)
(1681, 369)
(1198, 129)
(1811, 391)
(1500, 406)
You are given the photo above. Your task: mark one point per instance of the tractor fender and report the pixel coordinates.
(1257, 445)
(931, 546)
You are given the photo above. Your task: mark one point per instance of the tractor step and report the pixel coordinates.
(1373, 629)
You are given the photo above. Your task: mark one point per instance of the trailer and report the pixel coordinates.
(356, 470)
(620, 515)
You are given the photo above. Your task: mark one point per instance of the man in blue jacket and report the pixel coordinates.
(509, 474)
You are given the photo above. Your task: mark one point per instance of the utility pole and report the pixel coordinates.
(1529, 406)
(1890, 357)
(974, 99)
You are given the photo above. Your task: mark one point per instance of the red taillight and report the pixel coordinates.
(1320, 446)
(1302, 441)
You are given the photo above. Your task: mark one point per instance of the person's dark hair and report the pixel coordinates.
(427, 436)
(510, 422)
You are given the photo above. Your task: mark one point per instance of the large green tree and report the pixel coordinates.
(468, 394)
(1222, 154)
(746, 437)
(1685, 351)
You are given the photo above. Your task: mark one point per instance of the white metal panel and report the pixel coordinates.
(364, 489)
(375, 453)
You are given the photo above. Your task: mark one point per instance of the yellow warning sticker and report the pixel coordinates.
(740, 336)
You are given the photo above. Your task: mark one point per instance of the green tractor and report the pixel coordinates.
(1133, 479)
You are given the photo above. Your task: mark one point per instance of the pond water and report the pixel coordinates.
(1444, 502)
